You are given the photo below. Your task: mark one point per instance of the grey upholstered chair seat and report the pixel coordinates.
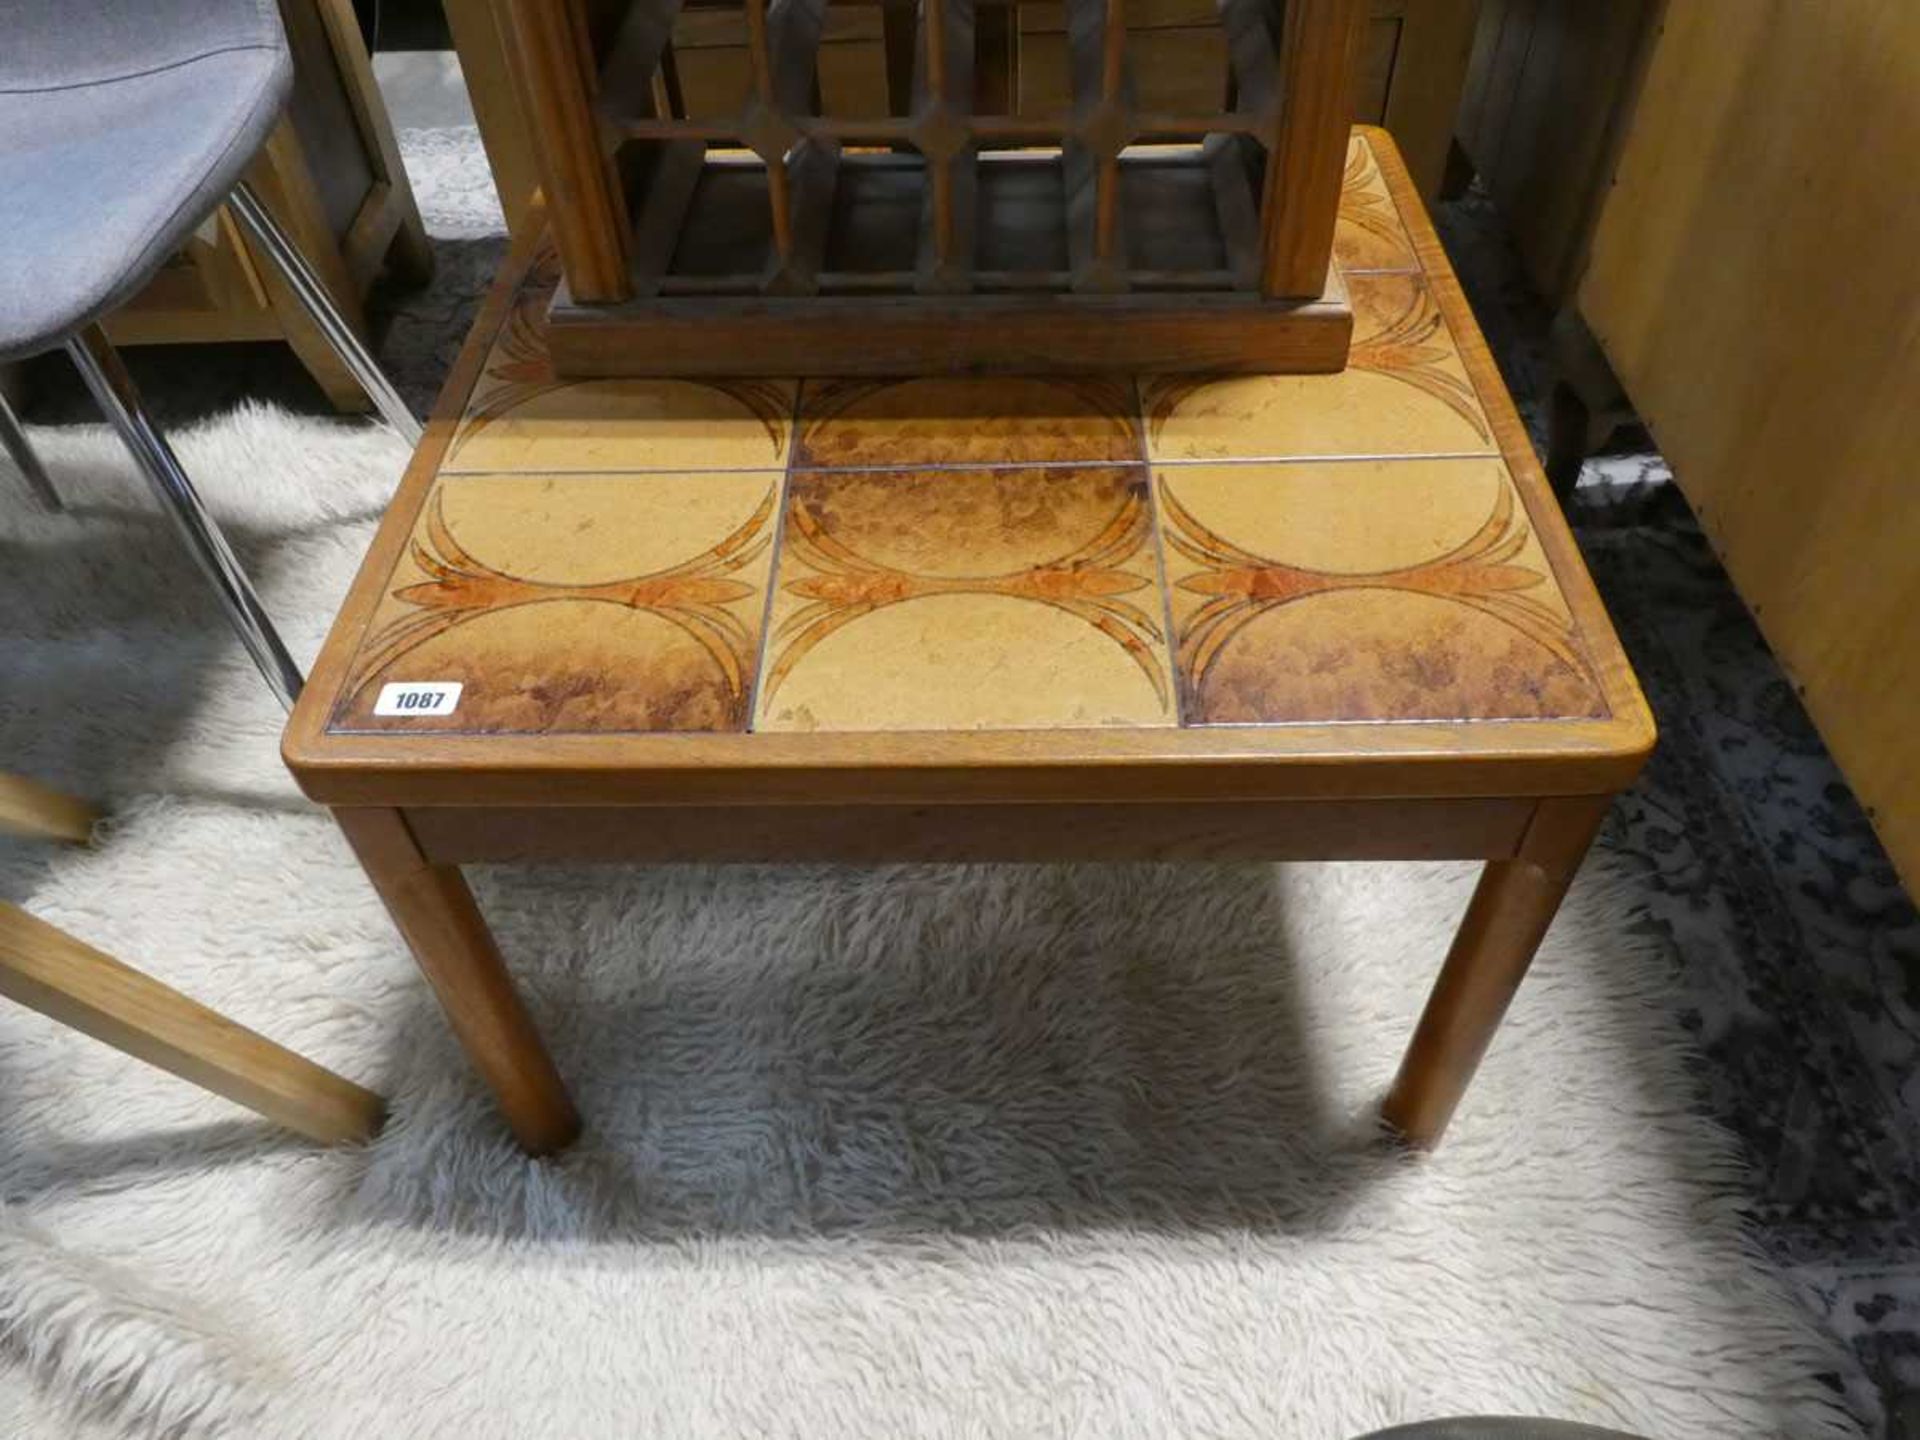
(122, 125)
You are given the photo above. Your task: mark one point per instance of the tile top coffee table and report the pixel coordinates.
(1286, 617)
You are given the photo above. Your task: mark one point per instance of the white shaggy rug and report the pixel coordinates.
(1076, 1151)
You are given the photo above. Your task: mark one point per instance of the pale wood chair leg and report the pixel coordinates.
(31, 809)
(435, 912)
(47, 970)
(1504, 924)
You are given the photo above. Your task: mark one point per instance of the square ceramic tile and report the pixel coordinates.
(958, 420)
(1370, 234)
(521, 417)
(966, 599)
(1364, 590)
(1405, 391)
(575, 603)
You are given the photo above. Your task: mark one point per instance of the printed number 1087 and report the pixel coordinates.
(417, 698)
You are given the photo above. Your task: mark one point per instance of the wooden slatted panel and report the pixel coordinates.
(634, 58)
(813, 169)
(1235, 206)
(1273, 153)
(1102, 105)
(794, 30)
(942, 105)
(1250, 53)
(783, 45)
(664, 194)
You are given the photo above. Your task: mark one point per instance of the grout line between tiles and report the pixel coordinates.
(1325, 459)
(603, 472)
(919, 467)
(751, 724)
(1174, 679)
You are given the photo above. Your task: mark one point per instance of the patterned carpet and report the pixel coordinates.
(1795, 945)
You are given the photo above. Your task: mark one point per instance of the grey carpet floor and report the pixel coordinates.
(1797, 950)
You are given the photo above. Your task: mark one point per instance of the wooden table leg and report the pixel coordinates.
(1504, 924)
(449, 938)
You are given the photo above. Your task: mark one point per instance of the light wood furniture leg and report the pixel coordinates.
(46, 969)
(449, 938)
(286, 185)
(388, 226)
(1504, 924)
(31, 809)
(332, 175)
(497, 107)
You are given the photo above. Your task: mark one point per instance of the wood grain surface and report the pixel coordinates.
(50, 971)
(1753, 283)
(32, 809)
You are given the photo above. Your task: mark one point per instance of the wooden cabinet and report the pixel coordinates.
(1413, 65)
(1720, 190)
(1752, 281)
(331, 174)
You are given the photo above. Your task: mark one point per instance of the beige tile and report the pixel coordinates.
(1405, 391)
(1370, 234)
(1364, 590)
(521, 417)
(966, 599)
(636, 424)
(967, 421)
(577, 602)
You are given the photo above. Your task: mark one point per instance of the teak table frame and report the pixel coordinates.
(1526, 796)
(937, 238)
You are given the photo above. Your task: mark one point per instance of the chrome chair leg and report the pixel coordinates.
(14, 437)
(319, 305)
(112, 387)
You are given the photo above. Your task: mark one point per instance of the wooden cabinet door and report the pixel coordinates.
(1753, 282)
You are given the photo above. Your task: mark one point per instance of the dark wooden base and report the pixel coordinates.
(1136, 333)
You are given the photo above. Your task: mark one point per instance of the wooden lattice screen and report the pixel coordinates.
(945, 234)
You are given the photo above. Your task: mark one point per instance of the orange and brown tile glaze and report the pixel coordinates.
(522, 417)
(1369, 234)
(1404, 590)
(901, 424)
(964, 599)
(578, 603)
(634, 555)
(1405, 391)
